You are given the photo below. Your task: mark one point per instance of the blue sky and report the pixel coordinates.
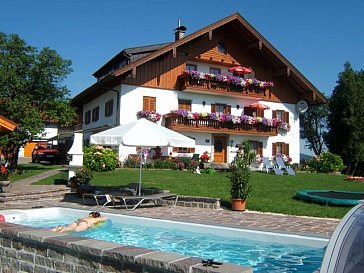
(317, 37)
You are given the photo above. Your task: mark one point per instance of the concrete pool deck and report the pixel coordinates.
(300, 225)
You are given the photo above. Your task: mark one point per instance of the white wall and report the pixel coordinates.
(131, 101)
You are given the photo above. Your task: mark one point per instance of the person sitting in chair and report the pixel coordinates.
(82, 224)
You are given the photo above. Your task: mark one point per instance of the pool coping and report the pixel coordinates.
(120, 256)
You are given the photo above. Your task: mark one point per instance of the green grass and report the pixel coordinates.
(271, 193)
(27, 170)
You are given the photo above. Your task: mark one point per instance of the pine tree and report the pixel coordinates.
(346, 127)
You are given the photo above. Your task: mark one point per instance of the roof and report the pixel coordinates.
(240, 26)
(132, 54)
(6, 125)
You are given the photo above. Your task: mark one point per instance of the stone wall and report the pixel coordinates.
(25, 249)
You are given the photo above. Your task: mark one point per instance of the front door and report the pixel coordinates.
(219, 149)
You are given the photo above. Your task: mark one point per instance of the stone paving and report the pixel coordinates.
(320, 227)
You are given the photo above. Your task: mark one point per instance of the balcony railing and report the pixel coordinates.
(212, 86)
(179, 123)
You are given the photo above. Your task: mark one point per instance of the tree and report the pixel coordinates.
(314, 127)
(31, 91)
(346, 126)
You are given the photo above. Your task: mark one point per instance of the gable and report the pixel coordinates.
(245, 46)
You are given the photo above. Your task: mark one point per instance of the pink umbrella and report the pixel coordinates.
(240, 70)
(258, 105)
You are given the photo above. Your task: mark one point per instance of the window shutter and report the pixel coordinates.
(274, 114)
(260, 113)
(274, 149)
(145, 104)
(286, 117)
(149, 104)
(228, 109)
(213, 108)
(153, 104)
(260, 148)
(286, 148)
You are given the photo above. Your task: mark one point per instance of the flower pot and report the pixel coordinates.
(4, 183)
(238, 204)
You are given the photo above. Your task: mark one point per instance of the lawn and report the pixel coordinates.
(27, 170)
(271, 193)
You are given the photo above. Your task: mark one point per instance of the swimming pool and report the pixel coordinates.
(264, 251)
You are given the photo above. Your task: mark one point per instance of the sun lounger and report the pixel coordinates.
(283, 167)
(107, 196)
(132, 202)
(270, 167)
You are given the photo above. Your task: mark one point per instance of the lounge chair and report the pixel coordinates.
(107, 196)
(283, 167)
(270, 167)
(157, 199)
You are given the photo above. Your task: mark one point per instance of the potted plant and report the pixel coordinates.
(205, 157)
(4, 177)
(239, 175)
(81, 181)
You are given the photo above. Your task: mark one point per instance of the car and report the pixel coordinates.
(45, 154)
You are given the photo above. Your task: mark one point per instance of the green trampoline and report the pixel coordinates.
(329, 197)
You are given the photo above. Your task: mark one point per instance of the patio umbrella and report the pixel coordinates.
(258, 105)
(143, 133)
(240, 70)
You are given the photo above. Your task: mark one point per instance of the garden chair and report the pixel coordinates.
(270, 167)
(282, 166)
(107, 197)
(157, 199)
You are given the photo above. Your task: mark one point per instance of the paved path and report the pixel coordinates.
(321, 227)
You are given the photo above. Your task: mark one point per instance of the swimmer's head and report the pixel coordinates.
(94, 214)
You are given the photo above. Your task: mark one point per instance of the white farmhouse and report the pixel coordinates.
(220, 85)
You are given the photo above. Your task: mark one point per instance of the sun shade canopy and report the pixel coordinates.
(142, 133)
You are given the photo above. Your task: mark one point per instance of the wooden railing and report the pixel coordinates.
(178, 123)
(223, 88)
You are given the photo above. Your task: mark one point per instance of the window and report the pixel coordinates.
(149, 103)
(221, 108)
(184, 104)
(88, 117)
(253, 112)
(109, 105)
(281, 115)
(191, 67)
(256, 146)
(215, 71)
(95, 114)
(183, 150)
(280, 148)
(221, 47)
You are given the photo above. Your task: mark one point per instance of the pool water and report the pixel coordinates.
(224, 245)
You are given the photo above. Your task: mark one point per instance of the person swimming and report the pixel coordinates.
(92, 220)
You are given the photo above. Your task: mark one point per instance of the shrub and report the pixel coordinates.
(183, 161)
(326, 163)
(98, 158)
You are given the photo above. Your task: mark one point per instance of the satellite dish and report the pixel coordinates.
(301, 106)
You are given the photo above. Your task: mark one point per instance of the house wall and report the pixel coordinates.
(131, 101)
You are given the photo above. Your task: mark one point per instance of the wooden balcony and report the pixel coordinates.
(219, 88)
(179, 123)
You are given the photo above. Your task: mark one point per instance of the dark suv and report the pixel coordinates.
(45, 154)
